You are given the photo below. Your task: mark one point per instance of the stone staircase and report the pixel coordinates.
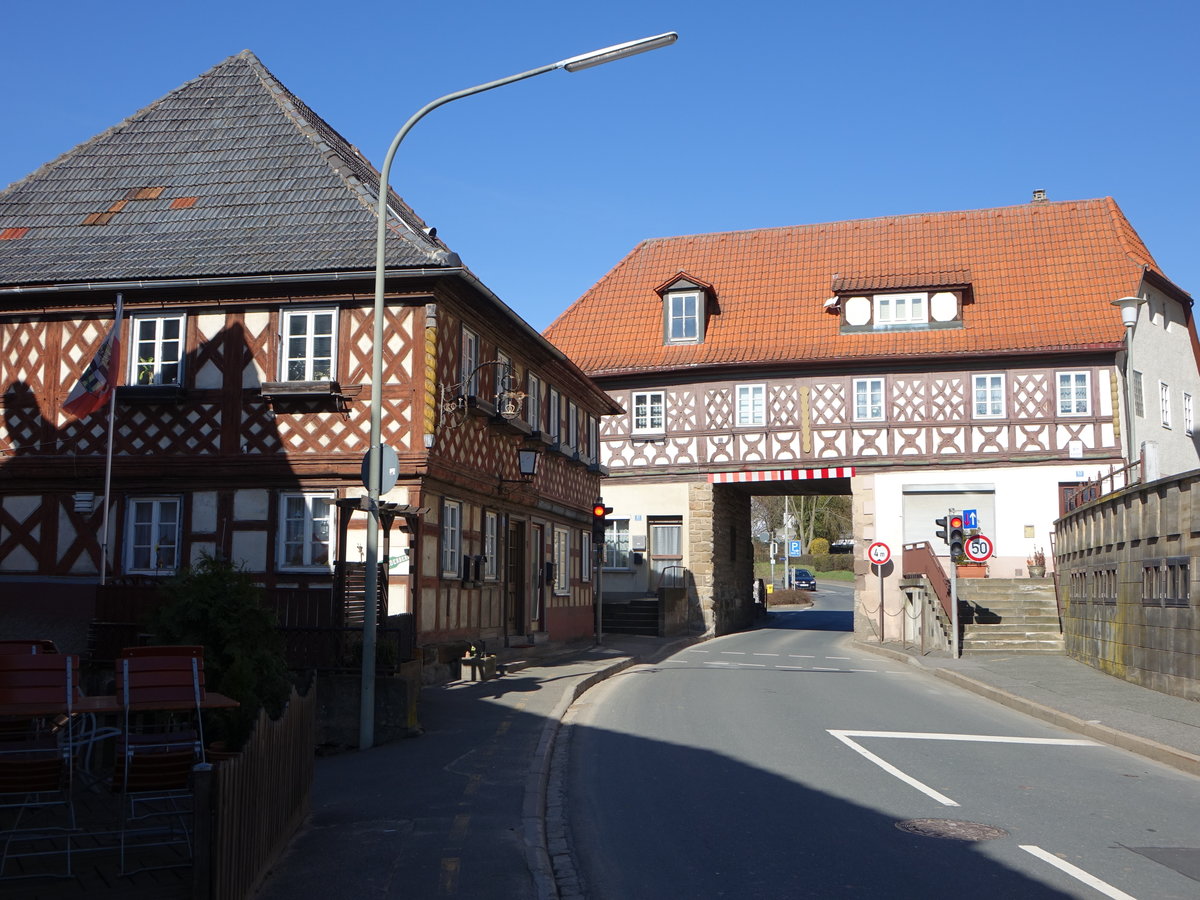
(638, 616)
(1009, 615)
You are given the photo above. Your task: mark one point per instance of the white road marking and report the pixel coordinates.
(801, 656)
(846, 658)
(846, 738)
(718, 662)
(766, 654)
(793, 668)
(825, 669)
(733, 652)
(1075, 872)
(695, 650)
(751, 665)
(864, 670)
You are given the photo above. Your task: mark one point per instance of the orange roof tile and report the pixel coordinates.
(1042, 276)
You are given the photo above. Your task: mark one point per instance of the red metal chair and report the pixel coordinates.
(162, 739)
(33, 645)
(36, 770)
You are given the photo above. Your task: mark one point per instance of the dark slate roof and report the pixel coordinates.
(229, 174)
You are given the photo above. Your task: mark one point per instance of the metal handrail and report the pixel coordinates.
(1130, 474)
(919, 559)
(677, 577)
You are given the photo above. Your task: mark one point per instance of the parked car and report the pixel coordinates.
(804, 580)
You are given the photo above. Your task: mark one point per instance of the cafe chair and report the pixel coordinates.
(160, 690)
(36, 767)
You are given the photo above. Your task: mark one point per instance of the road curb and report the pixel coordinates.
(1151, 749)
(533, 808)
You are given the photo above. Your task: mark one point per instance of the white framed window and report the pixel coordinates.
(616, 544)
(554, 412)
(562, 560)
(649, 412)
(451, 539)
(593, 438)
(901, 309)
(156, 354)
(684, 312)
(1139, 397)
(585, 556)
(988, 396)
(751, 404)
(868, 399)
(305, 523)
(1188, 423)
(470, 362)
(572, 424)
(505, 377)
(1164, 404)
(533, 401)
(1074, 394)
(309, 341)
(491, 561)
(152, 535)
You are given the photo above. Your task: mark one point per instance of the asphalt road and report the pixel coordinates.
(780, 763)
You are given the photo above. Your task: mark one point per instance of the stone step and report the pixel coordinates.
(1014, 646)
(994, 633)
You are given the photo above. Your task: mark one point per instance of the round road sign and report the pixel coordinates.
(978, 547)
(879, 553)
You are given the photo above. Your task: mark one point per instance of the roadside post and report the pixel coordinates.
(879, 554)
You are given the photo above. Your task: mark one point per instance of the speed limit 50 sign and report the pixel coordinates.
(978, 548)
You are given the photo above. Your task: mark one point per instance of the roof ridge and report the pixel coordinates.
(900, 217)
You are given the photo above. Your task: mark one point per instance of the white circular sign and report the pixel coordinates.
(978, 547)
(879, 553)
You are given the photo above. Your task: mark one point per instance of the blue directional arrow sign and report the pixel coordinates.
(970, 518)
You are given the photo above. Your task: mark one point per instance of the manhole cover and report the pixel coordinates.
(952, 829)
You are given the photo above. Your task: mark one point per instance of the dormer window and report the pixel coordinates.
(901, 309)
(683, 317)
(913, 302)
(687, 304)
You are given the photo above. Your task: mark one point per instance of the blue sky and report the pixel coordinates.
(763, 114)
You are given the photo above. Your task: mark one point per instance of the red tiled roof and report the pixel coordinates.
(1042, 277)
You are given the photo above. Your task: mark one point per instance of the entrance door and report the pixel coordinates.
(537, 576)
(514, 580)
(666, 552)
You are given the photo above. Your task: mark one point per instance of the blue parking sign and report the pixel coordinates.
(793, 548)
(970, 518)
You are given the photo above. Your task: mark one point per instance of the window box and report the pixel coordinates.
(272, 389)
(151, 393)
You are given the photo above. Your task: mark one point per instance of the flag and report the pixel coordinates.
(96, 384)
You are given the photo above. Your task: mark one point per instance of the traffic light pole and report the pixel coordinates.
(954, 641)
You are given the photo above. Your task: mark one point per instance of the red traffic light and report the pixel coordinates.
(599, 509)
(956, 522)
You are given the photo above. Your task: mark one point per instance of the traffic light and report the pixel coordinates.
(955, 537)
(950, 530)
(599, 511)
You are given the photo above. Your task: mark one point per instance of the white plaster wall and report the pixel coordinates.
(251, 506)
(250, 550)
(204, 512)
(637, 503)
(1162, 352)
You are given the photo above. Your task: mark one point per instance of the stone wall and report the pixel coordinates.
(1128, 584)
(721, 555)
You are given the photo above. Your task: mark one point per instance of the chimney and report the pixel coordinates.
(1039, 196)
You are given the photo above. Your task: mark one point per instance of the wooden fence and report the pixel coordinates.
(258, 800)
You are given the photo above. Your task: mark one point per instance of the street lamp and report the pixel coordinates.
(1129, 314)
(574, 64)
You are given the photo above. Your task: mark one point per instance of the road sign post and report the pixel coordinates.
(879, 554)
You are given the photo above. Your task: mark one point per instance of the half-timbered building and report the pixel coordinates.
(967, 360)
(239, 229)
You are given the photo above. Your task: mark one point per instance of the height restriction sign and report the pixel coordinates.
(879, 553)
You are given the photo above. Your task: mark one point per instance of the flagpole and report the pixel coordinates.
(112, 413)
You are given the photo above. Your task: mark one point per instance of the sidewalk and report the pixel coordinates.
(1073, 696)
(459, 810)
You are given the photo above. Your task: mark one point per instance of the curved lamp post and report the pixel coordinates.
(574, 64)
